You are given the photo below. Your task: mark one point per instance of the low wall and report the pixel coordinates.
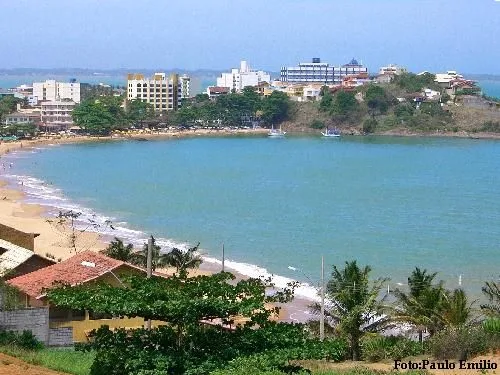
(36, 320)
(61, 336)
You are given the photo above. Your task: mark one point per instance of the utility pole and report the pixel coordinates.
(149, 266)
(322, 317)
(223, 257)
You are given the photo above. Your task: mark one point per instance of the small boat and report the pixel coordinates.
(276, 133)
(329, 133)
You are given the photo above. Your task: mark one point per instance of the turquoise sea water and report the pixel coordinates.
(393, 203)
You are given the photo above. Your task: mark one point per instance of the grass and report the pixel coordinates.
(65, 360)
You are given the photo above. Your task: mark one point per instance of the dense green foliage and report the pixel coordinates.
(377, 100)
(101, 115)
(234, 109)
(460, 343)
(8, 105)
(19, 130)
(380, 348)
(157, 352)
(24, 340)
(416, 82)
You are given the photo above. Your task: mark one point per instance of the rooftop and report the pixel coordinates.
(12, 256)
(79, 269)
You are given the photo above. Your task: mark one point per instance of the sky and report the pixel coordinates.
(433, 35)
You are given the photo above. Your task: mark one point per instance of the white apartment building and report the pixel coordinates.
(185, 84)
(164, 93)
(319, 72)
(57, 115)
(51, 90)
(240, 78)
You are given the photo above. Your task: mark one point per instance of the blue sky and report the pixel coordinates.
(215, 34)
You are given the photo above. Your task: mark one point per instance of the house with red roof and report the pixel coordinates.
(84, 268)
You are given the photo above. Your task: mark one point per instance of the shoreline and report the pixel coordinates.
(31, 217)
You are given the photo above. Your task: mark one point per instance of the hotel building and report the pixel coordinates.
(164, 93)
(56, 115)
(51, 90)
(319, 72)
(240, 78)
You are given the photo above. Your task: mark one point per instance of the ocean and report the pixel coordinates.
(389, 202)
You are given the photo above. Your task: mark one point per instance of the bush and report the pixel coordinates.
(379, 348)
(490, 126)
(460, 343)
(370, 125)
(317, 124)
(25, 340)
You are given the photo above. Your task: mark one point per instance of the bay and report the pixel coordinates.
(390, 202)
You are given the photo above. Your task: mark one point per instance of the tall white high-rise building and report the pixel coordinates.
(51, 90)
(240, 78)
(164, 93)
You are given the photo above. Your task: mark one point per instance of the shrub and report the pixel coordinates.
(460, 343)
(491, 126)
(317, 124)
(369, 125)
(379, 348)
(25, 340)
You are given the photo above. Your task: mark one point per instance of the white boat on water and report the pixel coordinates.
(329, 133)
(276, 133)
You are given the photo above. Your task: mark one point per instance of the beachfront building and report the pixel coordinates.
(56, 115)
(52, 91)
(23, 118)
(320, 72)
(238, 79)
(164, 93)
(85, 268)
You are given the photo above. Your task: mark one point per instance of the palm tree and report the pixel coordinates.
(356, 307)
(422, 305)
(183, 260)
(492, 291)
(117, 250)
(158, 259)
(456, 309)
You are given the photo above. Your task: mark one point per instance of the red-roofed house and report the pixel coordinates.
(83, 268)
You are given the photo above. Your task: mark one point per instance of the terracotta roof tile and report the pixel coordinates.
(78, 269)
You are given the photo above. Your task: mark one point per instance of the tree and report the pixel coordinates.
(492, 291)
(139, 111)
(117, 250)
(158, 259)
(343, 103)
(369, 125)
(377, 100)
(275, 107)
(93, 116)
(8, 105)
(356, 307)
(184, 260)
(456, 308)
(326, 99)
(422, 305)
(186, 343)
